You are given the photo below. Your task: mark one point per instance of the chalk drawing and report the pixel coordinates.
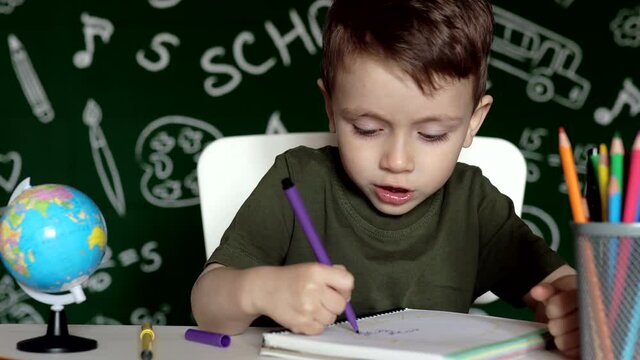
(160, 50)
(275, 125)
(8, 179)
(545, 60)
(149, 259)
(141, 315)
(626, 27)
(92, 27)
(542, 224)
(629, 95)
(29, 81)
(168, 170)
(7, 6)
(223, 77)
(13, 305)
(103, 159)
(163, 4)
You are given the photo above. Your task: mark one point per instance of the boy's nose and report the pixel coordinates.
(398, 157)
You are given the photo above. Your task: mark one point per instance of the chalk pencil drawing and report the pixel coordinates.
(103, 158)
(29, 81)
(8, 179)
(93, 27)
(628, 95)
(167, 150)
(545, 60)
(158, 46)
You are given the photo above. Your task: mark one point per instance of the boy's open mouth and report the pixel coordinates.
(393, 195)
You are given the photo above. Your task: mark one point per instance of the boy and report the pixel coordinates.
(403, 83)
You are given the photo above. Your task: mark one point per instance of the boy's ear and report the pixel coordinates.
(327, 106)
(477, 118)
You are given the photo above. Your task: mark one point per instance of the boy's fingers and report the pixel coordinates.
(542, 292)
(561, 304)
(563, 325)
(567, 342)
(341, 280)
(325, 317)
(333, 301)
(340, 266)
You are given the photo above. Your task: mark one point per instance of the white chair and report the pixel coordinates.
(231, 167)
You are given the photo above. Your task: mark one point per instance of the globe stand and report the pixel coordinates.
(57, 338)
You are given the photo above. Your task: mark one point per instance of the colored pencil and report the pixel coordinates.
(633, 330)
(592, 187)
(571, 177)
(603, 179)
(615, 206)
(617, 171)
(630, 211)
(616, 179)
(595, 298)
(629, 215)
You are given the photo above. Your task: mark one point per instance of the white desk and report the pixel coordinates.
(122, 342)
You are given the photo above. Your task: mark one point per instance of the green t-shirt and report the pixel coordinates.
(461, 242)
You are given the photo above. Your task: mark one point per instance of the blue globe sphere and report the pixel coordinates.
(52, 237)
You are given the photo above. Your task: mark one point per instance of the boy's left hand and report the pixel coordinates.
(557, 305)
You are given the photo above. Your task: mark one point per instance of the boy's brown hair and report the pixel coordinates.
(428, 39)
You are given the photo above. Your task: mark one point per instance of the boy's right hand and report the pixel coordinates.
(304, 298)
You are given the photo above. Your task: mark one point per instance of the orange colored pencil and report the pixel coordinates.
(571, 177)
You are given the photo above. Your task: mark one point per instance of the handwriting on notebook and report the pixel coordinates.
(388, 332)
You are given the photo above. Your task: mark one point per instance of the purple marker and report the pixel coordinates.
(209, 338)
(314, 240)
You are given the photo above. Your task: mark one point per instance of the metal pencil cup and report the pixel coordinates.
(608, 257)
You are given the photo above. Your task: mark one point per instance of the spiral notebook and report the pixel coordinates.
(413, 334)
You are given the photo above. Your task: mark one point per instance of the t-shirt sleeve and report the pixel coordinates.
(512, 258)
(261, 230)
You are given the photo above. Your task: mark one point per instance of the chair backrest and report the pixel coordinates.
(231, 167)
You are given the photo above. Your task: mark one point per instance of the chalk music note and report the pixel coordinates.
(109, 175)
(93, 27)
(629, 95)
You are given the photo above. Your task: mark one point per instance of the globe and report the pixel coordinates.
(52, 237)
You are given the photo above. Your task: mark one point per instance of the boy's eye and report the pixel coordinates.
(365, 132)
(433, 138)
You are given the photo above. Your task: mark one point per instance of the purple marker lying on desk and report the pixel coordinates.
(206, 337)
(314, 240)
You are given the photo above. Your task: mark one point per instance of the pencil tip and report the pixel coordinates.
(561, 129)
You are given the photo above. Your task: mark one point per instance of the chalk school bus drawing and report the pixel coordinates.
(544, 59)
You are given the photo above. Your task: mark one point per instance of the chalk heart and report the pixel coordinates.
(8, 179)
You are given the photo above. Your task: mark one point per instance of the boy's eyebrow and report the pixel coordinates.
(355, 113)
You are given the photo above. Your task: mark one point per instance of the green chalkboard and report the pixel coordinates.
(118, 99)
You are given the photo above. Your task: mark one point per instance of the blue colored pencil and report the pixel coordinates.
(615, 215)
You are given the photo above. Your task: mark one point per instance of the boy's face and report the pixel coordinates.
(398, 144)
